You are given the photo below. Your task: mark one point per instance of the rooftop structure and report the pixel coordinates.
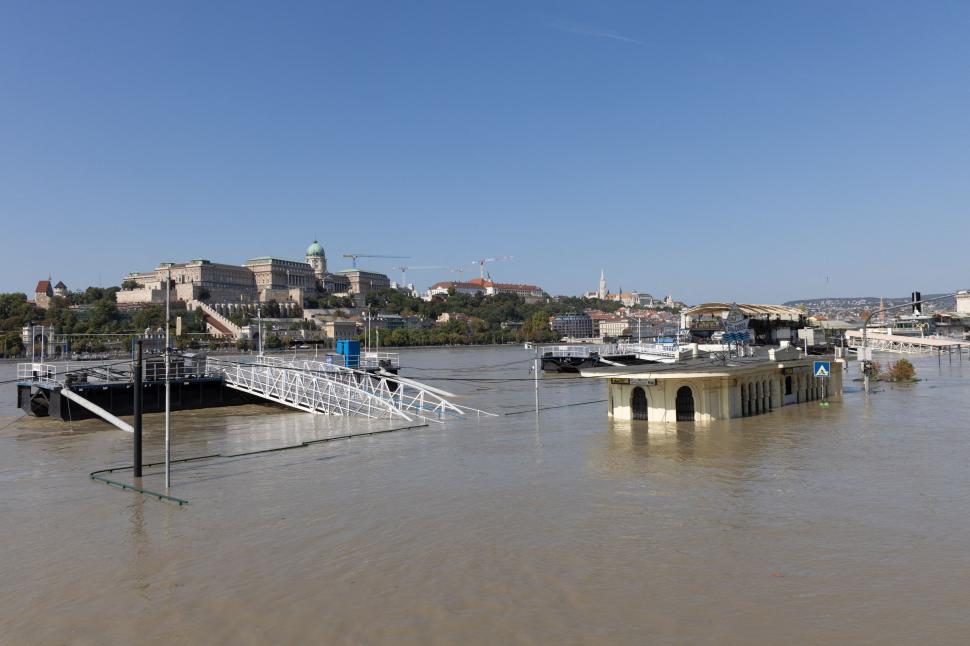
(767, 323)
(317, 259)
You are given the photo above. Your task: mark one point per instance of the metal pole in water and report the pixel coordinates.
(168, 385)
(137, 406)
(537, 378)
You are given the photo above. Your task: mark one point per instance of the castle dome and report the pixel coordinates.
(315, 249)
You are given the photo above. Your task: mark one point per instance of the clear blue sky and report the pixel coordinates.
(716, 150)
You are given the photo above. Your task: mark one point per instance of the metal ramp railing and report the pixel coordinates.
(328, 389)
(37, 372)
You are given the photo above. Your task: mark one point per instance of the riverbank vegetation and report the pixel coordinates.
(91, 312)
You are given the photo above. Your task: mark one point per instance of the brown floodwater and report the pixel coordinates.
(809, 525)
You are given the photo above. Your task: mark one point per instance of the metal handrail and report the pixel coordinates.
(37, 372)
(331, 389)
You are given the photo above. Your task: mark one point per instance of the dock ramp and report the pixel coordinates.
(97, 410)
(329, 389)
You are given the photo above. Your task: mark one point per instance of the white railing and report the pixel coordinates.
(902, 344)
(211, 311)
(39, 372)
(329, 389)
(154, 369)
(647, 350)
(379, 359)
(576, 351)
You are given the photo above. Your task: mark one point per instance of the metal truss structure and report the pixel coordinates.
(902, 344)
(328, 389)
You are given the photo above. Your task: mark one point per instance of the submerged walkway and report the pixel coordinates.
(883, 342)
(329, 389)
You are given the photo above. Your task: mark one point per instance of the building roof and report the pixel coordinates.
(700, 367)
(315, 249)
(273, 258)
(43, 286)
(833, 324)
(748, 309)
(60, 285)
(481, 282)
(445, 284)
(347, 272)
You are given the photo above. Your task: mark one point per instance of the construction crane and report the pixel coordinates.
(481, 264)
(355, 256)
(404, 271)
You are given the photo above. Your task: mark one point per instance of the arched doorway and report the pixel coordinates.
(638, 403)
(685, 404)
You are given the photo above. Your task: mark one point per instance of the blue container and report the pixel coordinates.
(350, 351)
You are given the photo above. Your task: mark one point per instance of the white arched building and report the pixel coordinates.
(705, 389)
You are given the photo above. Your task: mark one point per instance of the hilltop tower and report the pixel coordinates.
(316, 258)
(601, 293)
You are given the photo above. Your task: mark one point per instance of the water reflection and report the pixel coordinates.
(563, 529)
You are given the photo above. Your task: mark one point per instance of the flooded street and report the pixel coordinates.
(809, 525)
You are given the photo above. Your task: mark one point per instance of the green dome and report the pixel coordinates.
(315, 249)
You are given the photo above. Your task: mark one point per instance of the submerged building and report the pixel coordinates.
(703, 389)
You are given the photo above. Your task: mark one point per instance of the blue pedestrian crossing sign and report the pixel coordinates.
(822, 368)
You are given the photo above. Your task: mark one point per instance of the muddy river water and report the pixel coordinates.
(808, 525)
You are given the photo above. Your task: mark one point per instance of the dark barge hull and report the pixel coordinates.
(575, 364)
(569, 364)
(118, 398)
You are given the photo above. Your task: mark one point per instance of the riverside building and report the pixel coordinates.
(574, 326)
(704, 390)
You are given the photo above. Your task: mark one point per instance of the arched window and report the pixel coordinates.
(638, 403)
(685, 404)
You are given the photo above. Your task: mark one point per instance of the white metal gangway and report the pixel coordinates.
(328, 389)
(579, 351)
(659, 352)
(903, 344)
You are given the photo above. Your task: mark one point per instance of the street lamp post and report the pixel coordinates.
(168, 383)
